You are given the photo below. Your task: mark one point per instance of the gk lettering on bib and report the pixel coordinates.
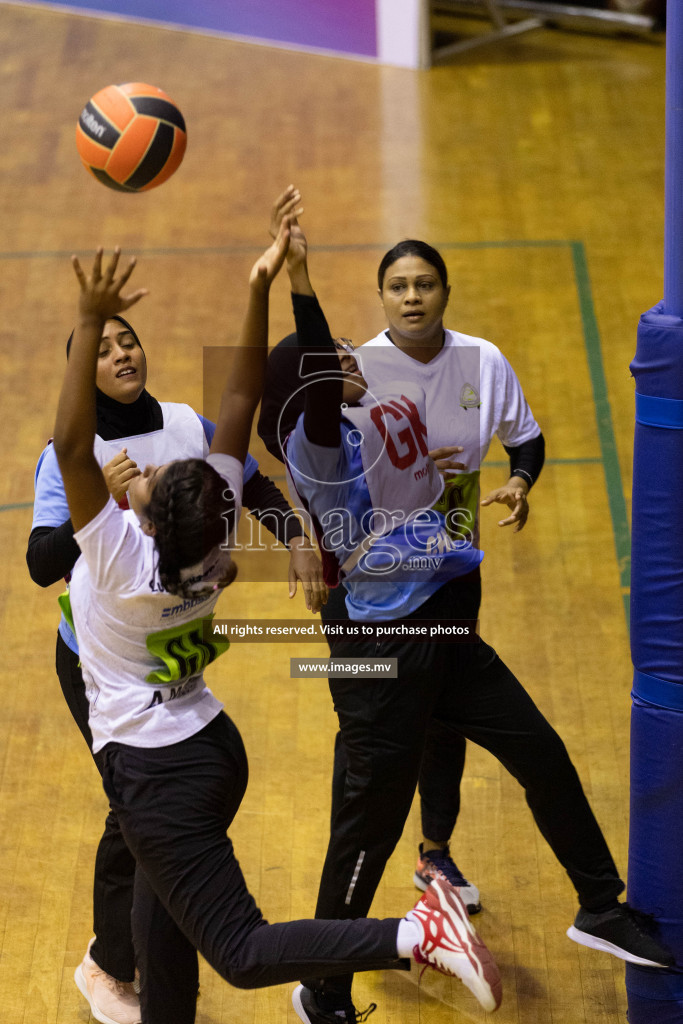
(392, 437)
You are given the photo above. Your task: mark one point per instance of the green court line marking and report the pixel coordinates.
(18, 504)
(603, 415)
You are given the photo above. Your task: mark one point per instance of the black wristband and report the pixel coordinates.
(523, 473)
(527, 458)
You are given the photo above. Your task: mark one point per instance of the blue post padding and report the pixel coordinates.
(657, 692)
(645, 1011)
(657, 527)
(653, 984)
(655, 875)
(655, 878)
(657, 365)
(659, 412)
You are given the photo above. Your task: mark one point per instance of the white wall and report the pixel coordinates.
(403, 32)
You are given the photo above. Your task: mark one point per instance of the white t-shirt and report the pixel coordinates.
(142, 649)
(472, 394)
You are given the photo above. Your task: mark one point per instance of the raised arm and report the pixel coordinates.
(324, 394)
(244, 385)
(100, 298)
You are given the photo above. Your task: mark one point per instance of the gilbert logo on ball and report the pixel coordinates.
(131, 137)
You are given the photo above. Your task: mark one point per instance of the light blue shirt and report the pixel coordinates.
(400, 569)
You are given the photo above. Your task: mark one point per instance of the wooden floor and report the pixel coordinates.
(537, 166)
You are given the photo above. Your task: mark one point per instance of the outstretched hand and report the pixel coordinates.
(101, 290)
(288, 205)
(516, 500)
(266, 268)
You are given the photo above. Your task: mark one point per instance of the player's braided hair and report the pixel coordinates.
(413, 247)
(193, 512)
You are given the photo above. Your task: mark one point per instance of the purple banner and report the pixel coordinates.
(347, 27)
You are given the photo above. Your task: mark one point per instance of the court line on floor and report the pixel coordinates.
(603, 416)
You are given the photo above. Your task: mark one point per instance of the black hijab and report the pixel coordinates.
(118, 419)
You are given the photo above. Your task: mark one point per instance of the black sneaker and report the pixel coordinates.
(623, 932)
(310, 1012)
(433, 864)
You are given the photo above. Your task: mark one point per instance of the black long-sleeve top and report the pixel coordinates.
(323, 396)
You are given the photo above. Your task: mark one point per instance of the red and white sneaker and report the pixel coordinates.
(451, 945)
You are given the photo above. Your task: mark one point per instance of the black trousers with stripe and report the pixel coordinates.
(443, 759)
(174, 805)
(384, 724)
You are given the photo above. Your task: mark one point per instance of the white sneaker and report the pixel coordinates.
(111, 1001)
(451, 945)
